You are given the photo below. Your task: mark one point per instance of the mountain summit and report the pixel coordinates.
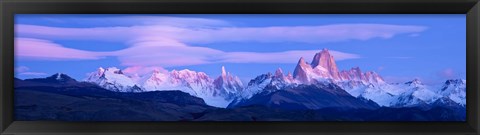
(324, 61)
(302, 71)
(227, 84)
(113, 79)
(324, 67)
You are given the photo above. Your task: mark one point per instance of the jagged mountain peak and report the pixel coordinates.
(322, 58)
(279, 72)
(324, 67)
(113, 79)
(101, 69)
(224, 73)
(301, 61)
(455, 89)
(228, 83)
(289, 74)
(156, 71)
(414, 82)
(455, 82)
(101, 72)
(302, 70)
(373, 77)
(302, 64)
(356, 70)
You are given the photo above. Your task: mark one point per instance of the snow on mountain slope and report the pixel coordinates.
(323, 69)
(113, 79)
(256, 85)
(377, 94)
(325, 63)
(227, 85)
(157, 80)
(398, 95)
(421, 91)
(218, 92)
(194, 83)
(455, 90)
(414, 93)
(304, 71)
(368, 85)
(268, 82)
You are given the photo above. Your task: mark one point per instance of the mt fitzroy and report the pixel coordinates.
(217, 92)
(323, 67)
(367, 85)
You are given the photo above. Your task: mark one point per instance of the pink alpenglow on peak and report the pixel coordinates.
(287, 79)
(324, 67)
(289, 75)
(326, 61)
(302, 71)
(353, 74)
(371, 76)
(279, 73)
(224, 73)
(113, 79)
(227, 84)
(98, 74)
(155, 80)
(356, 74)
(218, 92)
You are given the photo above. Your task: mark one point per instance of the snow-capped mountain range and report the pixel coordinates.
(216, 92)
(368, 85)
(226, 88)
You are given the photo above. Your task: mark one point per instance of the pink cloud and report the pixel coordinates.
(166, 45)
(168, 56)
(281, 57)
(23, 70)
(46, 50)
(304, 34)
(448, 73)
(161, 55)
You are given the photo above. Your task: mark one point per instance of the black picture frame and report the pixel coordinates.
(11, 7)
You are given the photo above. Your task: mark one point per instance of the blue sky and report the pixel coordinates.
(398, 47)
